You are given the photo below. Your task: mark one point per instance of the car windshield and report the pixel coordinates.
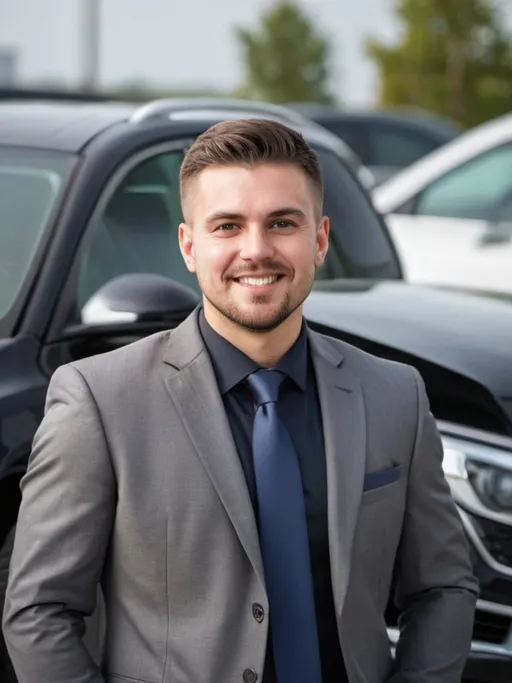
(30, 184)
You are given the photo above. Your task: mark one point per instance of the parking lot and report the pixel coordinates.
(419, 270)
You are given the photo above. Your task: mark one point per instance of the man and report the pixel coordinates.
(246, 491)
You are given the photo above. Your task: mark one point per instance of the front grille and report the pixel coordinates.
(488, 627)
(491, 628)
(496, 537)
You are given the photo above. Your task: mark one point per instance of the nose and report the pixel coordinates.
(256, 244)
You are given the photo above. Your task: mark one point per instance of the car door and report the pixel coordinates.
(458, 230)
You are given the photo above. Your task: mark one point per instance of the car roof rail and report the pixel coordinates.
(166, 108)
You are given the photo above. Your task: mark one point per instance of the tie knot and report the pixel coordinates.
(265, 385)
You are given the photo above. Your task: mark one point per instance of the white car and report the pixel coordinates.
(450, 214)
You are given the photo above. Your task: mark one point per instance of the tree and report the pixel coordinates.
(454, 58)
(286, 58)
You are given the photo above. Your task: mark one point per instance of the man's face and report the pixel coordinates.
(254, 238)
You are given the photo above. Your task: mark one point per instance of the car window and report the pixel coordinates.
(137, 231)
(30, 184)
(473, 190)
(354, 134)
(394, 146)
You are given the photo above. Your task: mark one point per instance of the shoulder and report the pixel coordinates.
(118, 369)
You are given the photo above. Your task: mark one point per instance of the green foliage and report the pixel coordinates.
(453, 57)
(286, 57)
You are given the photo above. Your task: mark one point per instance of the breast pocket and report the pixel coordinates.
(381, 484)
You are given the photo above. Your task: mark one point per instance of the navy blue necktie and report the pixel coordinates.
(283, 538)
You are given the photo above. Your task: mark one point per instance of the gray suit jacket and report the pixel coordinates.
(134, 481)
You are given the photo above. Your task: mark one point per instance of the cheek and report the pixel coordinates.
(213, 256)
(302, 252)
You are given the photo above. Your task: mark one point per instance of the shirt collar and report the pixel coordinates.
(232, 366)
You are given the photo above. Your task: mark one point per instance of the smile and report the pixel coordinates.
(259, 281)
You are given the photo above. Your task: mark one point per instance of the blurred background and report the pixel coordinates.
(419, 90)
(451, 57)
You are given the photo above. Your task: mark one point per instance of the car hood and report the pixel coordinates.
(467, 333)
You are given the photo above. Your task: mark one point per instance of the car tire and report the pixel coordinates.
(7, 674)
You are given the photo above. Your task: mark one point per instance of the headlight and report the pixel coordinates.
(493, 485)
(480, 477)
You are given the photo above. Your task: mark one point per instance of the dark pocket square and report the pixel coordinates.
(373, 480)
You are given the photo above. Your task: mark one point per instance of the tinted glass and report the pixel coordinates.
(138, 230)
(394, 146)
(354, 134)
(30, 184)
(474, 190)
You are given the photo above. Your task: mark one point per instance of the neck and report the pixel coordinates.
(264, 348)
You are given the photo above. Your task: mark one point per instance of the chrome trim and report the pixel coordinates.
(474, 435)
(482, 550)
(477, 646)
(480, 452)
(494, 608)
(168, 106)
(97, 312)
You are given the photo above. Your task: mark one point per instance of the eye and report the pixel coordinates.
(282, 224)
(226, 227)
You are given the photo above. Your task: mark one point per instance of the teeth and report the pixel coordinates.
(258, 281)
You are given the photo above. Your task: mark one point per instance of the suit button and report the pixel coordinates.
(258, 612)
(250, 676)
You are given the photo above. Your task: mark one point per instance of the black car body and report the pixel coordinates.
(89, 192)
(385, 140)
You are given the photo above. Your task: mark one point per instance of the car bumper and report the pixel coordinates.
(487, 663)
(488, 667)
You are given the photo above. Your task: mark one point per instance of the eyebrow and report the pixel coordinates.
(233, 216)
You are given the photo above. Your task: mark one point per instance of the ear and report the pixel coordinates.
(186, 246)
(322, 241)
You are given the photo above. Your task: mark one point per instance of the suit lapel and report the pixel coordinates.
(344, 424)
(193, 388)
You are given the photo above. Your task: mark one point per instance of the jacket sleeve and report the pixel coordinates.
(64, 523)
(435, 587)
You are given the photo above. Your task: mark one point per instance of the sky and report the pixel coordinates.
(185, 43)
(180, 43)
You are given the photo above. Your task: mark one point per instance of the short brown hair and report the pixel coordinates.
(250, 142)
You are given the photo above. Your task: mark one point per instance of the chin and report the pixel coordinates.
(253, 318)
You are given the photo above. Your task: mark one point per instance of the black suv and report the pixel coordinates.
(89, 209)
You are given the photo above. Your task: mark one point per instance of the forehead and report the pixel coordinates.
(242, 187)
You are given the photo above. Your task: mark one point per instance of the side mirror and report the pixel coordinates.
(140, 297)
